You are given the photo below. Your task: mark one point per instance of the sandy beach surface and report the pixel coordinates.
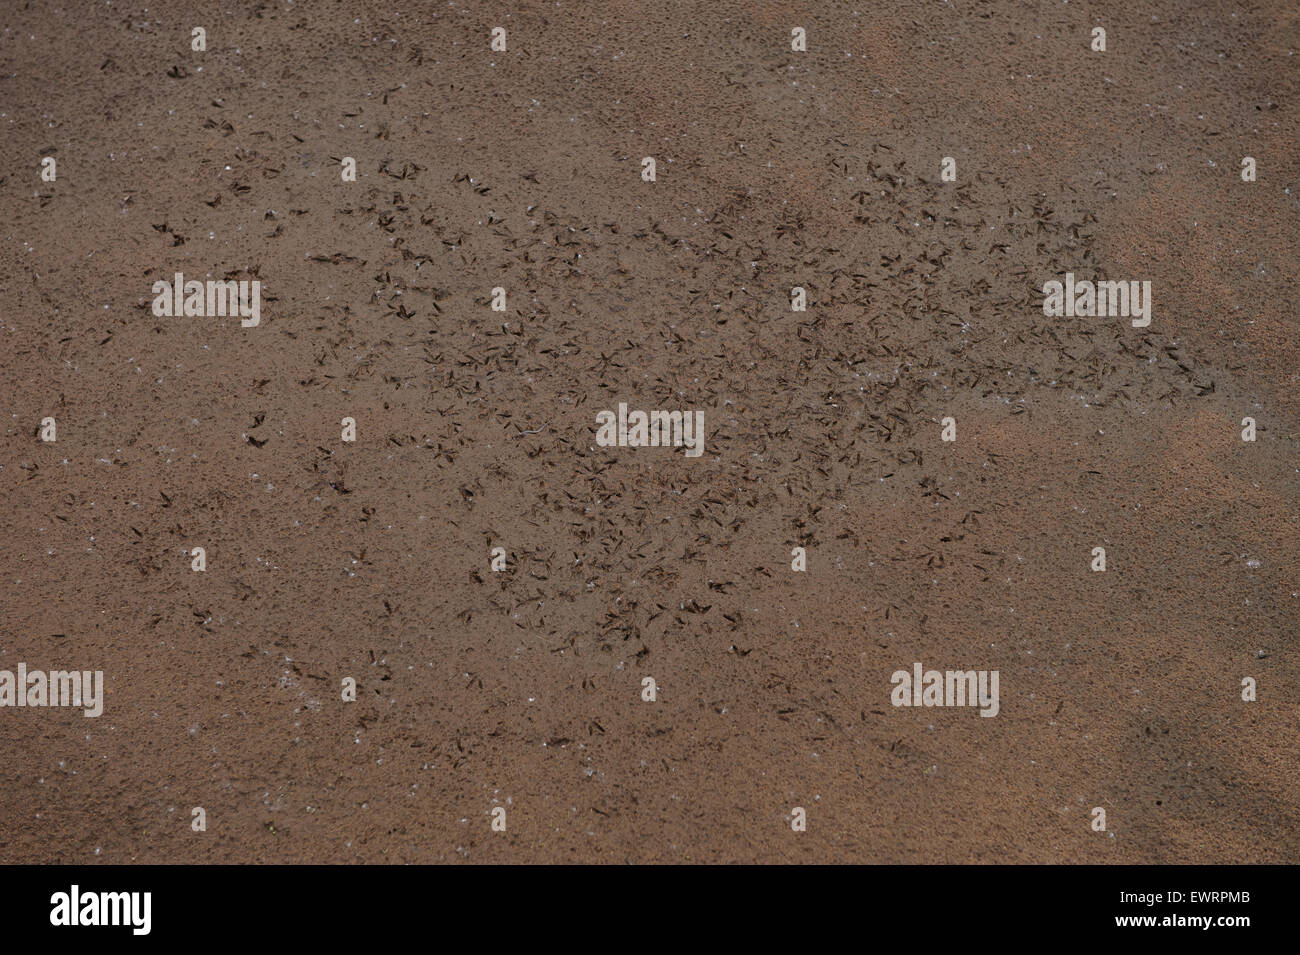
(523, 689)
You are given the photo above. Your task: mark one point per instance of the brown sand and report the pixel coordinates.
(522, 689)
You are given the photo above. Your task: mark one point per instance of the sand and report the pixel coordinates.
(522, 689)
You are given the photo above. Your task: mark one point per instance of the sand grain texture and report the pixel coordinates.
(476, 428)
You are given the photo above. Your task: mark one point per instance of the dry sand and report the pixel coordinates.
(522, 689)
